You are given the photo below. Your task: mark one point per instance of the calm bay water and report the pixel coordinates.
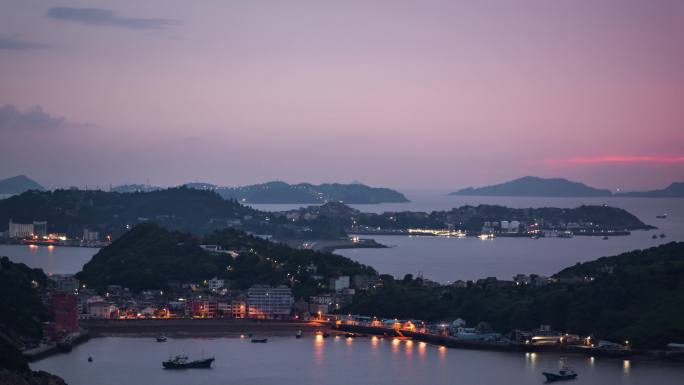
(52, 259)
(449, 259)
(333, 361)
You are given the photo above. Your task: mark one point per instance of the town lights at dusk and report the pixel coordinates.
(356, 192)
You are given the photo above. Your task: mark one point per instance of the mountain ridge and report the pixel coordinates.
(18, 184)
(532, 186)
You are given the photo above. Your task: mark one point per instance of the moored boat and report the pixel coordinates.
(562, 375)
(299, 334)
(161, 338)
(259, 340)
(182, 362)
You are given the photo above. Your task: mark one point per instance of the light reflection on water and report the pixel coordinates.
(330, 361)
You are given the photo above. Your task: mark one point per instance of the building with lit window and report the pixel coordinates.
(238, 309)
(20, 230)
(269, 302)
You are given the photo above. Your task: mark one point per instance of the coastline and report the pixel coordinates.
(197, 327)
(453, 343)
(240, 328)
(177, 328)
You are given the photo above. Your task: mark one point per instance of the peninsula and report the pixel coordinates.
(277, 192)
(281, 192)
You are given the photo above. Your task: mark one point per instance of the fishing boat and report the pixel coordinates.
(259, 340)
(182, 362)
(562, 375)
(161, 338)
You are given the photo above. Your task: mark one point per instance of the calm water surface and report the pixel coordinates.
(52, 259)
(288, 361)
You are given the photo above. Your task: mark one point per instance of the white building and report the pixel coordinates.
(269, 302)
(90, 236)
(20, 230)
(215, 283)
(339, 283)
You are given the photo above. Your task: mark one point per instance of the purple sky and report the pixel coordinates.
(416, 94)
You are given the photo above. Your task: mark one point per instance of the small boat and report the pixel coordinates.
(182, 362)
(299, 334)
(605, 238)
(662, 235)
(259, 340)
(663, 216)
(562, 375)
(349, 335)
(654, 236)
(161, 338)
(90, 359)
(566, 234)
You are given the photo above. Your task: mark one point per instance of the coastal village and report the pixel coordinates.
(74, 307)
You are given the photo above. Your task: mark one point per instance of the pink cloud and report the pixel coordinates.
(606, 159)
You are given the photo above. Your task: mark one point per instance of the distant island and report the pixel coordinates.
(18, 184)
(131, 188)
(675, 190)
(281, 192)
(470, 220)
(531, 186)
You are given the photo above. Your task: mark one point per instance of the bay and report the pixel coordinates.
(333, 361)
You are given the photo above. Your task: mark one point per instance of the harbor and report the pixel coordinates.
(286, 360)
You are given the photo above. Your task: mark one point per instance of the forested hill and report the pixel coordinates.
(636, 296)
(20, 321)
(69, 211)
(149, 256)
(281, 192)
(470, 218)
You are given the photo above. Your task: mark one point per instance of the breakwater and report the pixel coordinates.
(191, 327)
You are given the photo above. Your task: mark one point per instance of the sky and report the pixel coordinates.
(404, 94)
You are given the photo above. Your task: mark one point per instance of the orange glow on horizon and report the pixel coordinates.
(579, 160)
